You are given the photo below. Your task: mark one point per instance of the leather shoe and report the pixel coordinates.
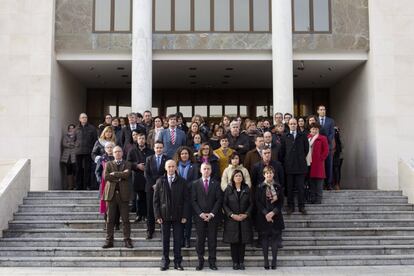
(149, 236)
(187, 243)
(178, 267)
(108, 244)
(266, 267)
(200, 266)
(164, 267)
(138, 219)
(241, 266)
(128, 243)
(303, 211)
(273, 267)
(235, 266)
(213, 267)
(289, 211)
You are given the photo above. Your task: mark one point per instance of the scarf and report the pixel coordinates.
(309, 156)
(183, 168)
(271, 194)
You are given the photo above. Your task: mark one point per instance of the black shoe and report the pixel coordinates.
(116, 226)
(213, 266)
(274, 267)
(149, 236)
(200, 266)
(236, 266)
(108, 244)
(164, 267)
(128, 243)
(187, 243)
(280, 244)
(303, 211)
(266, 267)
(241, 266)
(138, 219)
(289, 211)
(178, 267)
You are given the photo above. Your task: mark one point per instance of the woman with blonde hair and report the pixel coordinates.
(98, 150)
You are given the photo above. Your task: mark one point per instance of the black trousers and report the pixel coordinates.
(150, 212)
(141, 204)
(177, 229)
(238, 252)
(83, 172)
(270, 241)
(298, 181)
(206, 230)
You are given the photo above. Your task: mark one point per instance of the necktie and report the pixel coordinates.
(118, 162)
(206, 185)
(158, 162)
(172, 136)
(170, 180)
(322, 121)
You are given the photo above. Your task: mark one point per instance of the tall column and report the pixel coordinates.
(141, 98)
(282, 55)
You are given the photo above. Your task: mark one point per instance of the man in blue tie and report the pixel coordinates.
(327, 129)
(154, 168)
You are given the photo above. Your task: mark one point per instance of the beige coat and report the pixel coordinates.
(228, 172)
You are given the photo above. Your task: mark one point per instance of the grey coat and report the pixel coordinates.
(68, 146)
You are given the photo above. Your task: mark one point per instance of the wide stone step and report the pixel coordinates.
(221, 251)
(141, 242)
(65, 208)
(289, 232)
(190, 262)
(290, 223)
(326, 200)
(340, 193)
(311, 215)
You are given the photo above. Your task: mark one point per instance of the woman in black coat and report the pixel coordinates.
(237, 206)
(205, 155)
(269, 203)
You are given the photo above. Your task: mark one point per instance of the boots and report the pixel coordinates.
(70, 182)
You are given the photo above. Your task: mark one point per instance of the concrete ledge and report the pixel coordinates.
(406, 177)
(14, 186)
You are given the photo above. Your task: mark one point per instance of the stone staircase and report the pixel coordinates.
(63, 228)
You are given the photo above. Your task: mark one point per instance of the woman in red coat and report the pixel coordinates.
(318, 152)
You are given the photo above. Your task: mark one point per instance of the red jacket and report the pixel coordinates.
(320, 151)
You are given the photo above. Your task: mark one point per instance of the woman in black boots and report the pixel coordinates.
(269, 203)
(237, 205)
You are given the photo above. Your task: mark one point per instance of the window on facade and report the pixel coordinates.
(155, 111)
(312, 16)
(243, 111)
(261, 111)
(200, 110)
(230, 110)
(187, 111)
(212, 15)
(171, 110)
(112, 15)
(216, 111)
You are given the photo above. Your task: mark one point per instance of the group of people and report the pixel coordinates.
(235, 174)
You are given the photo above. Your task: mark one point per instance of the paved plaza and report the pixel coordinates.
(297, 271)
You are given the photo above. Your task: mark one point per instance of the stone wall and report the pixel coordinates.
(74, 33)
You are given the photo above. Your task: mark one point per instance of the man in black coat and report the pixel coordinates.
(238, 141)
(293, 152)
(154, 168)
(257, 176)
(138, 155)
(207, 199)
(171, 211)
(85, 138)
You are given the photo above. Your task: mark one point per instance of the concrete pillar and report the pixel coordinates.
(141, 98)
(282, 55)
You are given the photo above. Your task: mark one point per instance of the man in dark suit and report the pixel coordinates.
(126, 135)
(154, 168)
(327, 129)
(207, 199)
(138, 155)
(172, 137)
(171, 211)
(295, 147)
(272, 141)
(117, 195)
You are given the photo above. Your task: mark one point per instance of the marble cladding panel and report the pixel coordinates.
(73, 32)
